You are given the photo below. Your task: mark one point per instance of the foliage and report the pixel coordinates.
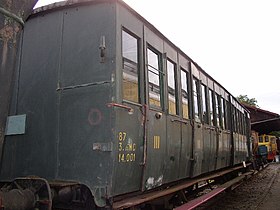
(246, 100)
(275, 133)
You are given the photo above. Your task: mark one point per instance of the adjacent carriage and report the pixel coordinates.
(267, 143)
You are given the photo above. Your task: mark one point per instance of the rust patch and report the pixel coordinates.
(6, 34)
(94, 117)
(8, 4)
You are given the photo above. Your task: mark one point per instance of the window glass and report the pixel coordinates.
(266, 139)
(226, 114)
(204, 104)
(217, 104)
(130, 67)
(223, 113)
(239, 121)
(155, 75)
(242, 123)
(185, 94)
(196, 100)
(245, 125)
(211, 107)
(234, 119)
(172, 90)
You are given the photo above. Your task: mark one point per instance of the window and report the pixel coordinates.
(155, 75)
(223, 116)
(266, 139)
(239, 121)
(211, 108)
(217, 104)
(204, 104)
(242, 123)
(185, 93)
(172, 89)
(233, 119)
(260, 139)
(196, 99)
(226, 116)
(130, 67)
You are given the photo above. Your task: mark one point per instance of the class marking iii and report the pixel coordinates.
(156, 142)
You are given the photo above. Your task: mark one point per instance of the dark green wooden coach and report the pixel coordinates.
(103, 99)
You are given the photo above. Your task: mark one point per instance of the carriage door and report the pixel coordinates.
(156, 122)
(186, 127)
(198, 145)
(129, 125)
(172, 157)
(206, 163)
(219, 132)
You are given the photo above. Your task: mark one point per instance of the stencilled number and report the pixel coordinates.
(126, 148)
(122, 136)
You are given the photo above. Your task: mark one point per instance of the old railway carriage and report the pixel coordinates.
(103, 99)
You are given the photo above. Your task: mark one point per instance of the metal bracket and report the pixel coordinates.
(103, 147)
(15, 125)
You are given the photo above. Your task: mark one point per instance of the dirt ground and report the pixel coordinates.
(261, 192)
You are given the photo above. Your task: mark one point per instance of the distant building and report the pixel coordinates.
(263, 121)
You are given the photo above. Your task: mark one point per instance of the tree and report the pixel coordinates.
(246, 100)
(275, 133)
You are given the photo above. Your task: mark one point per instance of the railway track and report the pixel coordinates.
(189, 194)
(258, 192)
(210, 198)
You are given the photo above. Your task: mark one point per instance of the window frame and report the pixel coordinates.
(204, 101)
(211, 108)
(161, 75)
(187, 79)
(196, 89)
(175, 78)
(217, 109)
(138, 40)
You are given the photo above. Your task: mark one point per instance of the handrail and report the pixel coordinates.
(129, 109)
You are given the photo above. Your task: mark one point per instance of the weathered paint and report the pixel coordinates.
(79, 126)
(153, 182)
(64, 90)
(10, 30)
